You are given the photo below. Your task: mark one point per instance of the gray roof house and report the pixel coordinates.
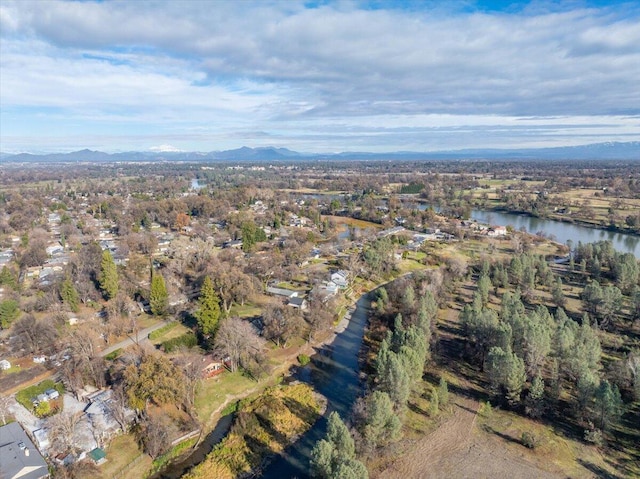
(19, 458)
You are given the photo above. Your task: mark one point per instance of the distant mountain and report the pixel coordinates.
(596, 151)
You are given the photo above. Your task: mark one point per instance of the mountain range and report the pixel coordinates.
(596, 151)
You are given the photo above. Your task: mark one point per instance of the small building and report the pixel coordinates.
(19, 458)
(212, 368)
(98, 456)
(299, 303)
(287, 293)
(52, 394)
(4, 365)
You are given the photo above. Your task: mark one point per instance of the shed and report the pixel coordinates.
(98, 456)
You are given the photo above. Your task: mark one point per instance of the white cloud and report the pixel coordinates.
(154, 68)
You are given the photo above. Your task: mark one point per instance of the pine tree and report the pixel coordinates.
(535, 398)
(158, 300)
(608, 404)
(108, 276)
(382, 425)
(208, 315)
(69, 295)
(333, 457)
(443, 392)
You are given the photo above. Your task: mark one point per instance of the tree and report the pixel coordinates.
(155, 434)
(69, 295)
(610, 304)
(484, 286)
(506, 372)
(108, 276)
(9, 311)
(5, 402)
(281, 323)
(156, 379)
(333, 457)
(608, 404)
(158, 299)
(392, 376)
(443, 392)
(208, 314)
(557, 294)
(382, 425)
(62, 430)
(534, 402)
(592, 296)
(237, 340)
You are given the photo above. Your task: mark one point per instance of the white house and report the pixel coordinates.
(341, 278)
(4, 364)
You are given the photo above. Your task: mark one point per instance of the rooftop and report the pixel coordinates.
(19, 458)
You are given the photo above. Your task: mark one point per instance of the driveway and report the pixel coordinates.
(142, 335)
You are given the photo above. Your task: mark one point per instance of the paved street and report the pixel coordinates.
(142, 336)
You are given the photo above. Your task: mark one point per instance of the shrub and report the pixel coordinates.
(188, 340)
(485, 409)
(113, 354)
(530, 440)
(303, 359)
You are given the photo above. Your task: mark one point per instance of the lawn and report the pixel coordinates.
(26, 395)
(215, 391)
(121, 453)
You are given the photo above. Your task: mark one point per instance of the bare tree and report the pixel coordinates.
(281, 323)
(62, 430)
(237, 339)
(5, 402)
(118, 406)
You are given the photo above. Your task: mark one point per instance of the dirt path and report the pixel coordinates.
(453, 435)
(457, 449)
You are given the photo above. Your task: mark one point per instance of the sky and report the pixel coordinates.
(317, 76)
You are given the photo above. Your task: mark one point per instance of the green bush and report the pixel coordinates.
(529, 440)
(113, 354)
(303, 359)
(188, 340)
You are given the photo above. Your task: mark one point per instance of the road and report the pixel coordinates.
(142, 335)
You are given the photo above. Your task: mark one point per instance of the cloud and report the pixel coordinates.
(289, 69)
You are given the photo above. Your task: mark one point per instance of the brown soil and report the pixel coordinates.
(458, 449)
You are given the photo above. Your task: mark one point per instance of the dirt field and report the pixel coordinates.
(459, 449)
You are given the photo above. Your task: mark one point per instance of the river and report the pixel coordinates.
(336, 375)
(560, 231)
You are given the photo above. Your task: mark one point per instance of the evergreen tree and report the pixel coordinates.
(557, 294)
(69, 295)
(158, 299)
(608, 404)
(534, 403)
(443, 392)
(333, 457)
(208, 314)
(382, 425)
(108, 276)
(484, 286)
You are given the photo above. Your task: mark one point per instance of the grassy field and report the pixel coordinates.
(263, 426)
(121, 454)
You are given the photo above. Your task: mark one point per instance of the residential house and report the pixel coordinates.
(497, 231)
(19, 458)
(287, 293)
(340, 278)
(212, 368)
